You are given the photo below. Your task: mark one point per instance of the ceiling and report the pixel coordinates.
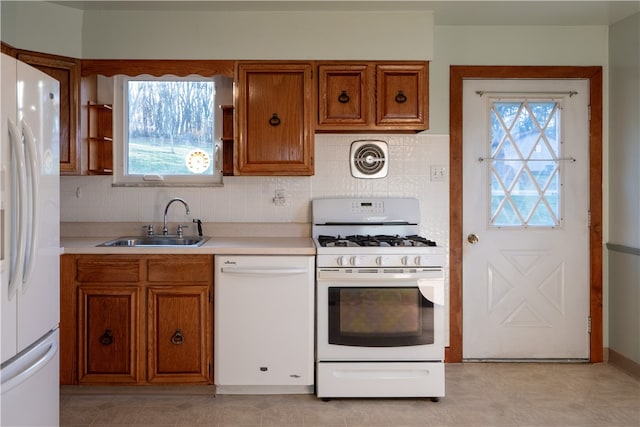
(449, 12)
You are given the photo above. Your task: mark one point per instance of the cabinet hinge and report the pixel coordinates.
(209, 368)
(589, 324)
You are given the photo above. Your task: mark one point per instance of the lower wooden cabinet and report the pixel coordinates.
(178, 336)
(136, 320)
(108, 334)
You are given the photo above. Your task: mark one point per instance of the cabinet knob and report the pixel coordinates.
(401, 97)
(274, 120)
(177, 338)
(106, 338)
(343, 98)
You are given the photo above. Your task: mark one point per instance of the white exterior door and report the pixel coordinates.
(525, 220)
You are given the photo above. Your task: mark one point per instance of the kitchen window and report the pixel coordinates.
(171, 130)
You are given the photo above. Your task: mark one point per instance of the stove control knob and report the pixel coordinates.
(382, 260)
(417, 260)
(354, 260)
(341, 260)
(404, 260)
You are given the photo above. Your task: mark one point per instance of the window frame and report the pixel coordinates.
(120, 125)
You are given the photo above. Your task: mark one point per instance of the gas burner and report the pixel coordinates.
(420, 241)
(377, 240)
(380, 240)
(335, 242)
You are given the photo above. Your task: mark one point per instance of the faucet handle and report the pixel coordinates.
(181, 230)
(149, 228)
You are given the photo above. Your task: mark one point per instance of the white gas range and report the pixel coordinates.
(380, 300)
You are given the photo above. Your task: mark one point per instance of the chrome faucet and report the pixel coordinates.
(165, 231)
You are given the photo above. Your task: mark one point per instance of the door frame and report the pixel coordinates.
(457, 74)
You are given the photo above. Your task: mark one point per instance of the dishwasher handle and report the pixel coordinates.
(263, 271)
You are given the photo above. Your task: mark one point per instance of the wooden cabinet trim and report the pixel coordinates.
(157, 67)
(68, 320)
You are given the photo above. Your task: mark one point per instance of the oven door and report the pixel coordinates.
(380, 314)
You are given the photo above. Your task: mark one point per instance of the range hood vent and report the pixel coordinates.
(369, 158)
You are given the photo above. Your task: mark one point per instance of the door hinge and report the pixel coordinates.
(589, 113)
(589, 324)
(589, 219)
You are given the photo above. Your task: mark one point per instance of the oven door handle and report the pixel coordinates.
(263, 271)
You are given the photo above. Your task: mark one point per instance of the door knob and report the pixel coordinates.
(472, 238)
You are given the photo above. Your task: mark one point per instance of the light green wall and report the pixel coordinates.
(624, 188)
(624, 151)
(42, 27)
(508, 45)
(258, 35)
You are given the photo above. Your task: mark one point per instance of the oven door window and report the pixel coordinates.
(380, 317)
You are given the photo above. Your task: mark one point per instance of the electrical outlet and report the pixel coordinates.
(438, 173)
(279, 198)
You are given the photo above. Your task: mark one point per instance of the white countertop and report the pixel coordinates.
(213, 246)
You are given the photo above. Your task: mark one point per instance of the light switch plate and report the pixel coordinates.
(439, 173)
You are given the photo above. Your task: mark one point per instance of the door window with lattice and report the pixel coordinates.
(525, 162)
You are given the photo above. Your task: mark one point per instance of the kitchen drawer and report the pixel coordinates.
(109, 268)
(179, 269)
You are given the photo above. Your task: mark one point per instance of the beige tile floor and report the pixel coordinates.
(477, 394)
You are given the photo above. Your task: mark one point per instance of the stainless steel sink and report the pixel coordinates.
(158, 241)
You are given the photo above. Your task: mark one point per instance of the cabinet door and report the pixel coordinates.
(343, 95)
(179, 334)
(67, 72)
(108, 334)
(274, 119)
(402, 94)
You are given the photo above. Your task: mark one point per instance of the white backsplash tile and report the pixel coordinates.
(250, 199)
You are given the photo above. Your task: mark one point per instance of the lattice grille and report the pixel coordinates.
(525, 168)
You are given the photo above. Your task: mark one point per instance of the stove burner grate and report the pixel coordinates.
(358, 240)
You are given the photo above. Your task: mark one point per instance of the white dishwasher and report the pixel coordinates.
(264, 324)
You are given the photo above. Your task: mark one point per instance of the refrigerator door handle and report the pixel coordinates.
(33, 215)
(28, 365)
(17, 210)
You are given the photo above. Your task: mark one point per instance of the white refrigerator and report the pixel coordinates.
(29, 246)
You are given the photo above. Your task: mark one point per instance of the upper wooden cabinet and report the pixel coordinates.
(274, 109)
(67, 72)
(373, 96)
